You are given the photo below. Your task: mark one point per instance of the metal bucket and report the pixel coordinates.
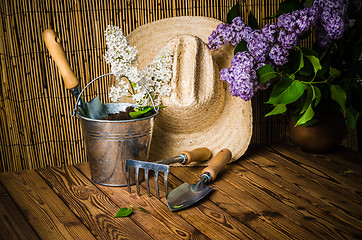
(110, 143)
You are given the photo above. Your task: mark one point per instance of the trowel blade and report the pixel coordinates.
(186, 195)
(96, 109)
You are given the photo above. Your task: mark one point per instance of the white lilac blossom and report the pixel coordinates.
(157, 75)
(130, 80)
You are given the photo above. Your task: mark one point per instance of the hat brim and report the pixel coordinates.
(232, 129)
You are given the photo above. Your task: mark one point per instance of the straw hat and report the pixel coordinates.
(200, 111)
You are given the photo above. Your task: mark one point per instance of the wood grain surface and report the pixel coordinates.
(272, 192)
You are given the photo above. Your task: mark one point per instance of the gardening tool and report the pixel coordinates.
(186, 194)
(94, 108)
(185, 157)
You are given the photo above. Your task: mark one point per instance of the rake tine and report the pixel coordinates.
(147, 182)
(166, 182)
(138, 181)
(156, 184)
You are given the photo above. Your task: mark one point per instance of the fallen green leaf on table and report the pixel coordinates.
(142, 209)
(344, 173)
(124, 212)
(177, 206)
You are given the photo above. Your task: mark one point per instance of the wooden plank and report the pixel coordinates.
(169, 225)
(13, 224)
(44, 210)
(90, 204)
(260, 178)
(332, 163)
(316, 181)
(266, 221)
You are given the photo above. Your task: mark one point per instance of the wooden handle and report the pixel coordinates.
(57, 52)
(217, 163)
(197, 155)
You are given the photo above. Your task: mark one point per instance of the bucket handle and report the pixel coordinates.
(80, 94)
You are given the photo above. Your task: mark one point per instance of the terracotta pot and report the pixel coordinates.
(322, 137)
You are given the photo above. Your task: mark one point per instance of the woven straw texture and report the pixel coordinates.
(35, 127)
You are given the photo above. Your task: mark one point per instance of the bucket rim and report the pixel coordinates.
(115, 121)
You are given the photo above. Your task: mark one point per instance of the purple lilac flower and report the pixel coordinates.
(287, 21)
(322, 37)
(258, 46)
(303, 21)
(288, 40)
(241, 76)
(216, 41)
(245, 58)
(313, 14)
(332, 20)
(241, 30)
(229, 34)
(270, 31)
(279, 54)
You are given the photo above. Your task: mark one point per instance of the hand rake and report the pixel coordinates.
(185, 157)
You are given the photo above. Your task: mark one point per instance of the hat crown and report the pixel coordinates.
(196, 93)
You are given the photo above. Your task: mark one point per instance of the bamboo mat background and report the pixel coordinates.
(36, 128)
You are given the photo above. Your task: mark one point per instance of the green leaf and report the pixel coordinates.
(326, 63)
(241, 47)
(278, 109)
(143, 210)
(124, 212)
(138, 113)
(308, 115)
(308, 100)
(233, 13)
(333, 72)
(307, 70)
(293, 62)
(307, 51)
(178, 206)
(309, 3)
(301, 61)
(265, 73)
(318, 95)
(286, 91)
(315, 62)
(339, 95)
(252, 22)
(344, 173)
(352, 117)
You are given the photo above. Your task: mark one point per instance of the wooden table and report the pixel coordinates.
(273, 192)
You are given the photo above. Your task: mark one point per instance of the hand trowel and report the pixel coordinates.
(186, 194)
(94, 108)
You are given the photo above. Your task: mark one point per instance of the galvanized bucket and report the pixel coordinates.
(110, 143)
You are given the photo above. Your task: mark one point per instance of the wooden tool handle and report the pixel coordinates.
(217, 163)
(57, 52)
(197, 155)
